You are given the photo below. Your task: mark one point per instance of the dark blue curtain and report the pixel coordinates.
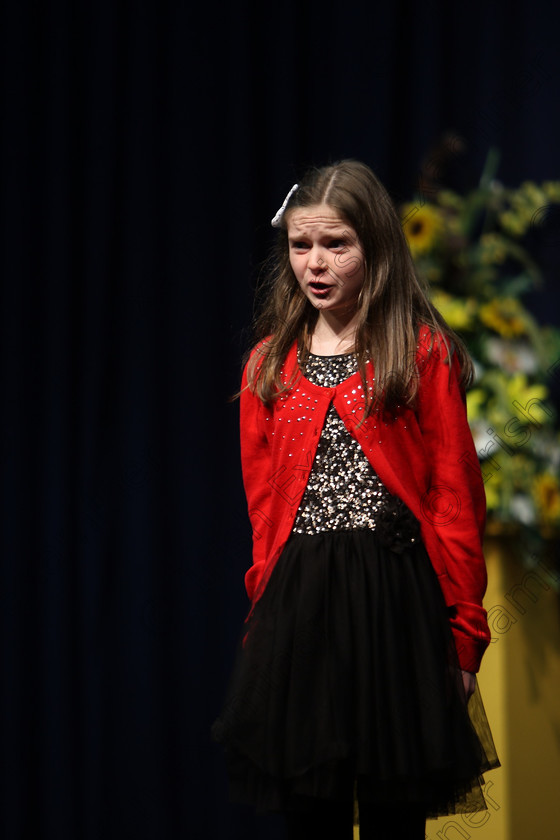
(144, 148)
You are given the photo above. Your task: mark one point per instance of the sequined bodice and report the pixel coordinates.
(343, 491)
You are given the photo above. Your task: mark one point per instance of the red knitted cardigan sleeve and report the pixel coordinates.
(456, 503)
(256, 461)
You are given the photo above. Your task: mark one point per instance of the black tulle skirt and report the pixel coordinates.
(346, 686)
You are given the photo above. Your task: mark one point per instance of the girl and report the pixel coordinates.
(350, 695)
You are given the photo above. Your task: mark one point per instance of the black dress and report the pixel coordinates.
(346, 684)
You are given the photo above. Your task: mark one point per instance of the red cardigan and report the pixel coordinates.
(424, 455)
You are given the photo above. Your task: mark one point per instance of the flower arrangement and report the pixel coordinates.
(474, 252)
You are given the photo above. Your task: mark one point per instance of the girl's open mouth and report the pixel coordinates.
(319, 288)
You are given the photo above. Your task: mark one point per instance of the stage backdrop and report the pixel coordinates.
(144, 148)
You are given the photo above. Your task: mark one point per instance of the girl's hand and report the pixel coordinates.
(469, 683)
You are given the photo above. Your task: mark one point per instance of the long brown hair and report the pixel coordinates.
(393, 303)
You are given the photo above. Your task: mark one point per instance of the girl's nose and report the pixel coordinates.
(316, 261)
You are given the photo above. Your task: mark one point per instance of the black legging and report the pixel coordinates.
(333, 821)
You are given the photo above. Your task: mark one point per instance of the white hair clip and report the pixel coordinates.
(277, 220)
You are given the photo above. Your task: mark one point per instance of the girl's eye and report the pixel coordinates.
(337, 243)
(299, 246)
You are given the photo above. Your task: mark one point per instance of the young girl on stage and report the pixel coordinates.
(350, 694)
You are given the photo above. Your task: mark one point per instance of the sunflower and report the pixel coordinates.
(505, 316)
(518, 390)
(422, 227)
(546, 491)
(458, 312)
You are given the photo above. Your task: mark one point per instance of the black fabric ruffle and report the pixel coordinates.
(347, 682)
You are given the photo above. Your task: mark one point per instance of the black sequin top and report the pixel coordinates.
(343, 491)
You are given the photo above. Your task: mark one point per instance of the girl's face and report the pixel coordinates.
(326, 258)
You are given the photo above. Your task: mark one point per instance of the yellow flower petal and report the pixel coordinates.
(504, 315)
(422, 227)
